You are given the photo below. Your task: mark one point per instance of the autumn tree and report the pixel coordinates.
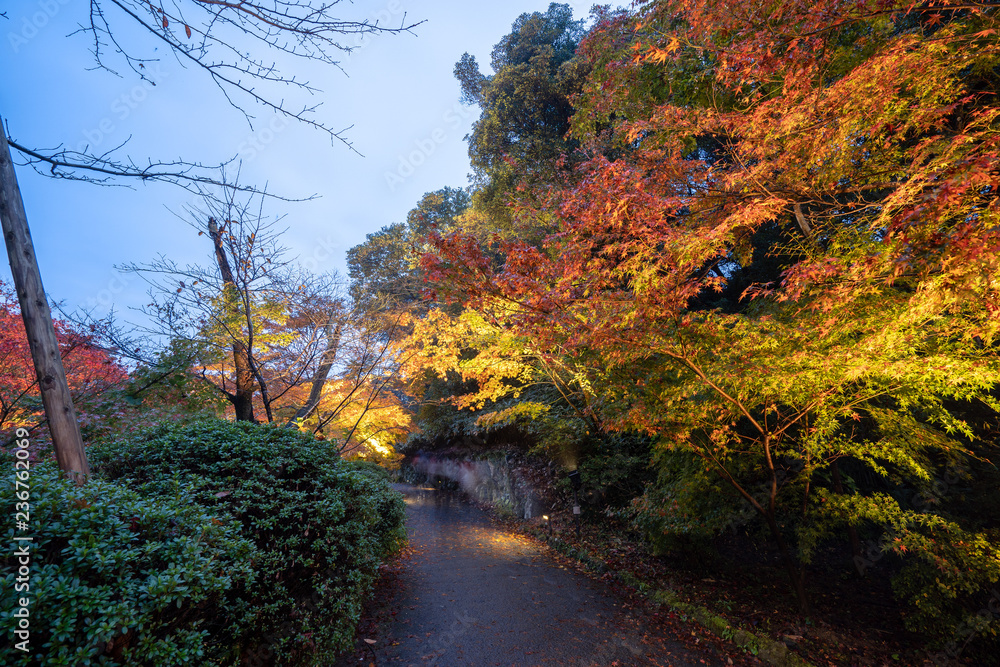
(364, 409)
(272, 339)
(92, 374)
(860, 141)
(475, 379)
(258, 325)
(384, 270)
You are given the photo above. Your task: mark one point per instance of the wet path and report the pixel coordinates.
(474, 594)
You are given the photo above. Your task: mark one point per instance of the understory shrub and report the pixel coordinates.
(320, 527)
(116, 577)
(207, 543)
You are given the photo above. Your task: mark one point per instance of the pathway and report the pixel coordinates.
(473, 594)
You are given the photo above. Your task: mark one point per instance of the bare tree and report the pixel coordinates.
(240, 306)
(212, 36)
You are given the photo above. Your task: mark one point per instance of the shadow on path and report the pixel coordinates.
(475, 594)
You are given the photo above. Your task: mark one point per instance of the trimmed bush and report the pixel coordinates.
(116, 577)
(320, 528)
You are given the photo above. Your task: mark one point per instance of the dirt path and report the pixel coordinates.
(474, 594)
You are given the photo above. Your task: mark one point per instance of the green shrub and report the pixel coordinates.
(949, 581)
(116, 577)
(614, 469)
(321, 527)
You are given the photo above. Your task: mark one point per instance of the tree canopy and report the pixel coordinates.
(776, 253)
(525, 104)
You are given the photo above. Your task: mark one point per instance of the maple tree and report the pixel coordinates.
(850, 148)
(93, 375)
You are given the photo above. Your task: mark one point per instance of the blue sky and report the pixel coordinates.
(398, 93)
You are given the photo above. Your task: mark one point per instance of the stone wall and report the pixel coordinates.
(493, 481)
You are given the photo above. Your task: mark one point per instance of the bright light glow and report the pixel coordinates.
(378, 446)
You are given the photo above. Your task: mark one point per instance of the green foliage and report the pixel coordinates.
(119, 577)
(380, 267)
(438, 210)
(614, 467)
(688, 506)
(320, 526)
(686, 500)
(949, 578)
(169, 383)
(525, 104)
(948, 573)
(383, 269)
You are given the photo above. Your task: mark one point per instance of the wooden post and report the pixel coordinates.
(37, 317)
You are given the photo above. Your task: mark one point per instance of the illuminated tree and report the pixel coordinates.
(258, 325)
(860, 142)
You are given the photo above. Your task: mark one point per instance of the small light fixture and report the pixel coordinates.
(574, 480)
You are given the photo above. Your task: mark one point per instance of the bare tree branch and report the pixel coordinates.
(206, 34)
(103, 170)
(212, 36)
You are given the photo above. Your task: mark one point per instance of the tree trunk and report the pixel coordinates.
(333, 330)
(254, 371)
(38, 325)
(852, 532)
(242, 398)
(262, 385)
(795, 574)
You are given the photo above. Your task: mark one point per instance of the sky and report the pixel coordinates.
(396, 91)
